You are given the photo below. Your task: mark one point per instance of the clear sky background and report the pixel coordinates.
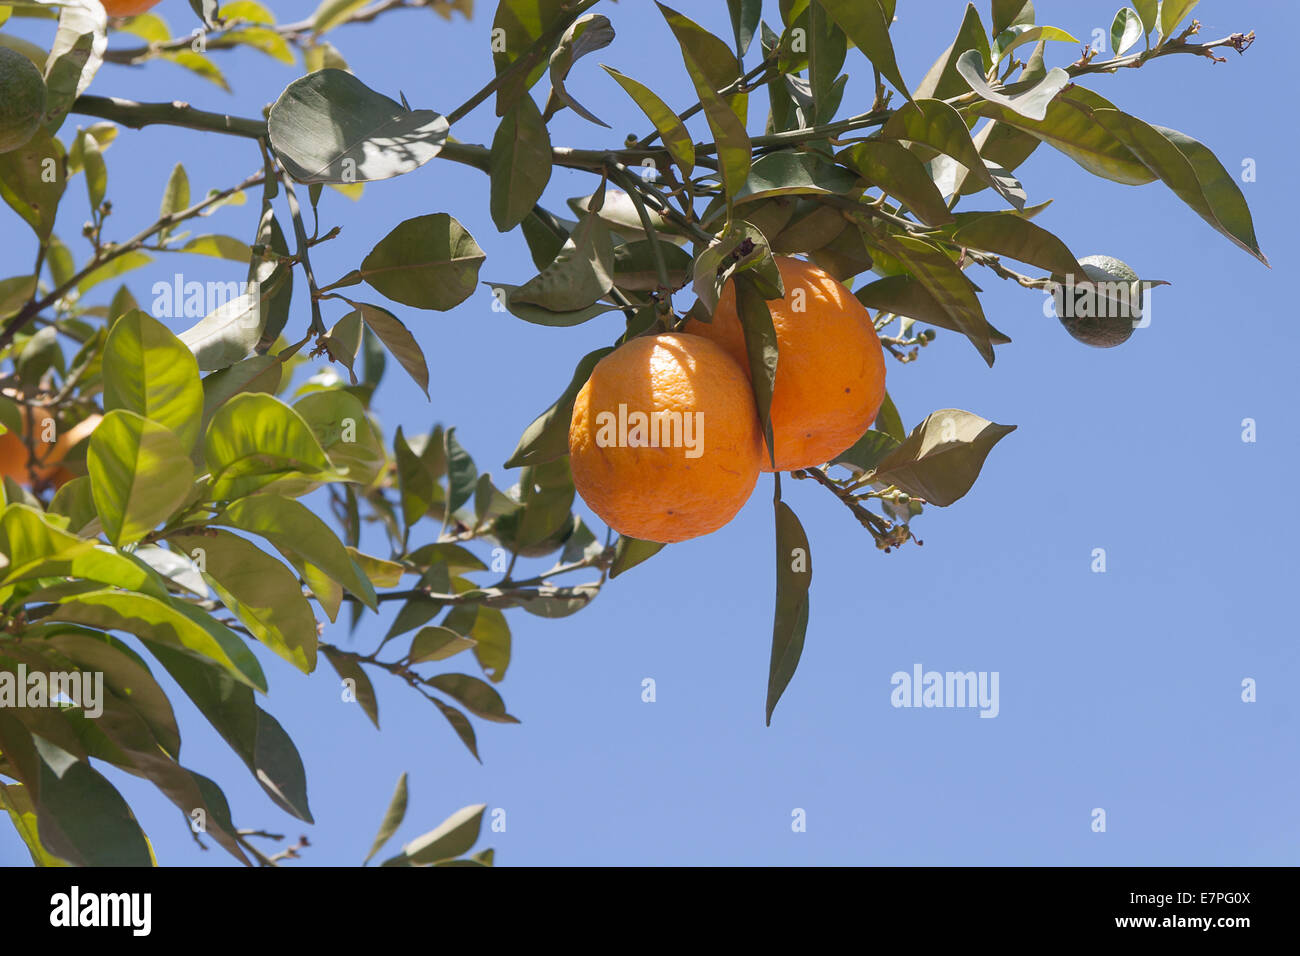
(1119, 690)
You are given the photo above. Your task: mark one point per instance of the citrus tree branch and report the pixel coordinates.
(108, 253)
(295, 33)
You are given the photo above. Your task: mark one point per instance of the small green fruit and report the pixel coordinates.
(1103, 310)
(22, 100)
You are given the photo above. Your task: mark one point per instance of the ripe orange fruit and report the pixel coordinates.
(830, 374)
(128, 8)
(49, 470)
(664, 442)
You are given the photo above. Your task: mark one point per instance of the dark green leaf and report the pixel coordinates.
(898, 172)
(1032, 103)
(393, 818)
(944, 80)
(867, 27)
(349, 669)
(547, 438)
(790, 624)
(329, 127)
(475, 695)
(584, 35)
(867, 452)
(429, 262)
(581, 273)
(519, 164)
(629, 552)
(941, 459)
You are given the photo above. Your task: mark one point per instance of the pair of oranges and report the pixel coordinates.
(665, 442)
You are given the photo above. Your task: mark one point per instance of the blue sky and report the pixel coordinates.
(1119, 690)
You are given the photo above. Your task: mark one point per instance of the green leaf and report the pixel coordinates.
(1172, 13)
(329, 127)
(1018, 35)
(547, 438)
(176, 195)
(339, 422)
(475, 695)
(867, 27)
(253, 439)
(1125, 30)
(253, 734)
(898, 172)
(1192, 172)
(1032, 103)
(1009, 13)
(219, 247)
(140, 475)
(761, 349)
(580, 274)
(742, 250)
(198, 64)
(727, 127)
(36, 547)
(790, 172)
(15, 293)
(16, 799)
(32, 181)
(75, 58)
(867, 452)
(228, 333)
(165, 623)
(1009, 234)
(889, 421)
(1070, 127)
(1149, 11)
(80, 815)
(584, 35)
(517, 28)
(519, 164)
(941, 459)
(635, 269)
(437, 644)
(715, 62)
(464, 729)
(349, 669)
(393, 818)
(629, 552)
(397, 338)
(259, 590)
(745, 15)
(492, 643)
(454, 836)
(935, 124)
(944, 79)
(333, 12)
(908, 296)
(676, 137)
(790, 623)
(149, 371)
(462, 475)
(507, 295)
(96, 172)
(429, 262)
(947, 284)
(295, 530)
